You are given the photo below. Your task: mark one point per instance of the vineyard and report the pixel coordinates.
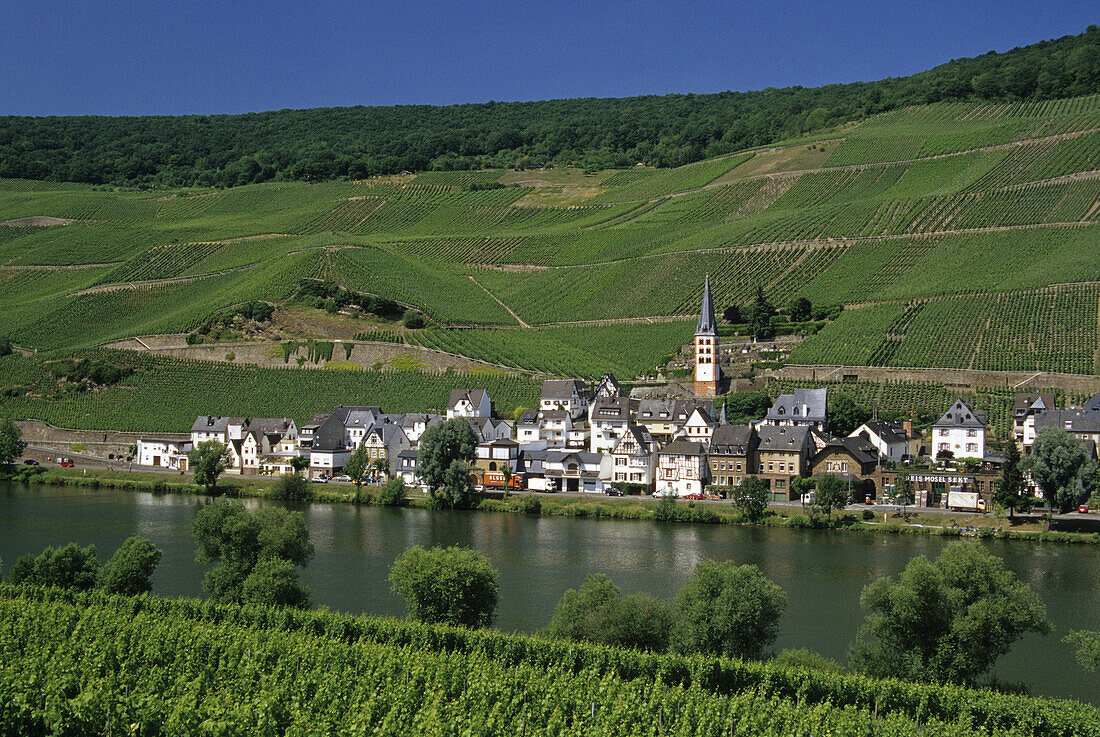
(959, 235)
(165, 394)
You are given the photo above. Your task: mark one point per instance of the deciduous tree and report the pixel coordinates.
(12, 444)
(69, 567)
(831, 493)
(598, 612)
(751, 496)
(356, 467)
(445, 451)
(456, 586)
(208, 461)
(130, 569)
(1011, 493)
(1060, 466)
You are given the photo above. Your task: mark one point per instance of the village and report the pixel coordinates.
(597, 439)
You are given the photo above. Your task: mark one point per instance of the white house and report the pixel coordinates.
(1025, 409)
(698, 427)
(608, 386)
(960, 432)
(163, 453)
(894, 440)
(567, 395)
(489, 429)
(608, 418)
(269, 444)
(634, 458)
(554, 427)
(573, 470)
(528, 427)
(469, 403)
(406, 468)
(415, 423)
(356, 421)
(384, 442)
(804, 408)
(681, 468)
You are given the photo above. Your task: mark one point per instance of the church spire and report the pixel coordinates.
(708, 325)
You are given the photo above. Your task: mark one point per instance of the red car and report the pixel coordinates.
(694, 497)
(65, 463)
(1083, 509)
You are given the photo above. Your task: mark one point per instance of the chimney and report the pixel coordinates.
(908, 427)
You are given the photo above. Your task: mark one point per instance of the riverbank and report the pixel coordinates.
(908, 522)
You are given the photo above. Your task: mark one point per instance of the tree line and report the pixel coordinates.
(357, 142)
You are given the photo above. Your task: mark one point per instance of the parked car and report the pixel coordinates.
(664, 492)
(1083, 509)
(31, 462)
(321, 479)
(65, 462)
(694, 497)
(342, 478)
(612, 491)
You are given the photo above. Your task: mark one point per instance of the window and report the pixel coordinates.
(780, 483)
(738, 466)
(771, 466)
(971, 433)
(620, 461)
(971, 447)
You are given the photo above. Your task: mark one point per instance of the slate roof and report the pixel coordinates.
(529, 418)
(859, 449)
(270, 425)
(640, 436)
(473, 395)
(656, 410)
(210, 423)
(961, 415)
(363, 415)
(891, 432)
(708, 324)
(732, 440)
(805, 405)
(781, 438)
(1093, 404)
(317, 420)
(1078, 421)
(562, 388)
(608, 386)
(1033, 402)
(683, 448)
(611, 408)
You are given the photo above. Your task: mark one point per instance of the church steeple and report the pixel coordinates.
(708, 324)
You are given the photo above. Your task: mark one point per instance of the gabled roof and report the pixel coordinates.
(708, 324)
(782, 437)
(1093, 404)
(1075, 421)
(611, 408)
(608, 387)
(529, 417)
(732, 440)
(317, 420)
(639, 436)
(961, 415)
(473, 396)
(857, 448)
(270, 425)
(210, 423)
(562, 388)
(656, 410)
(556, 414)
(805, 405)
(707, 415)
(1027, 402)
(890, 432)
(683, 448)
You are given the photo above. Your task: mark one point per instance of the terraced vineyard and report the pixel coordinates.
(959, 235)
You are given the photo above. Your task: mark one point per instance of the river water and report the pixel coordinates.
(539, 558)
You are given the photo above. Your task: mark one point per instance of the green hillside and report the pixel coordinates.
(958, 235)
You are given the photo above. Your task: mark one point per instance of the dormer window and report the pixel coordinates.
(782, 411)
(795, 411)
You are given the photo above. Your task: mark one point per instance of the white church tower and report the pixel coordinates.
(707, 371)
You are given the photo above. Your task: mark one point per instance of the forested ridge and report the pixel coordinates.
(357, 142)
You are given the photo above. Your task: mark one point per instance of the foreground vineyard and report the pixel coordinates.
(965, 233)
(90, 664)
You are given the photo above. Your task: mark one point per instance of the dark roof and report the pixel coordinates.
(343, 410)
(270, 425)
(210, 423)
(561, 388)
(609, 386)
(317, 420)
(473, 395)
(961, 415)
(732, 439)
(859, 449)
(782, 437)
(1070, 420)
(708, 324)
(683, 448)
(1032, 401)
(529, 417)
(890, 431)
(805, 405)
(656, 409)
(611, 408)
(1093, 404)
(640, 435)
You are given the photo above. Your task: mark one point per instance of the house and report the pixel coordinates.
(804, 408)
(608, 418)
(354, 423)
(573, 470)
(308, 431)
(528, 427)
(469, 403)
(783, 453)
(607, 387)
(406, 467)
(1082, 424)
(1025, 408)
(732, 454)
(708, 373)
(658, 416)
(555, 426)
(384, 442)
(569, 395)
(229, 431)
(415, 423)
(163, 453)
(497, 463)
(269, 445)
(681, 468)
(852, 459)
(699, 425)
(634, 458)
(960, 432)
(893, 440)
(488, 429)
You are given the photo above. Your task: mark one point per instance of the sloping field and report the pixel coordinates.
(959, 234)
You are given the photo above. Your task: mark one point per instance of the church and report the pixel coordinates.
(708, 373)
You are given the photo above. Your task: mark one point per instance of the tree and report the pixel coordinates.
(393, 493)
(413, 320)
(12, 444)
(732, 314)
(744, 407)
(799, 309)
(1059, 465)
(1010, 492)
(68, 567)
(291, 487)
(380, 468)
(831, 493)
(598, 612)
(274, 582)
(130, 569)
(5, 346)
(235, 541)
(760, 316)
(208, 460)
(299, 463)
(751, 496)
(1087, 643)
(947, 620)
(726, 609)
(455, 586)
(903, 488)
(445, 451)
(356, 467)
(845, 415)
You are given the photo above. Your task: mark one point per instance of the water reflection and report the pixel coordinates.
(539, 558)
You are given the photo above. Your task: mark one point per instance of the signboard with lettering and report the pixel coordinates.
(938, 478)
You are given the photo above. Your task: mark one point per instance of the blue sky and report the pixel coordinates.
(173, 57)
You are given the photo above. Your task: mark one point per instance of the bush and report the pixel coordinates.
(529, 504)
(868, 514)
(393, 493)
(413, 320)
(455, 586)
(291, 487)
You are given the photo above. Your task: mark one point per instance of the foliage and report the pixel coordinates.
(1087, 643)
(831, 493)
(130, 569)
(806, 660)
(946, 620)
(445, 450)
(236, 541)
(799, 309)
(726, 609)
(208, 460)
(68, 567)
(357, 466)
(599, 613)
(413, 320)
(292, 487)
(5, 345)
(1060, 466)
(845, 415)
(274, 582)
(1011, 494)
(732, 314)
(760, 316)
(12, 444)
(393, 493)
(744, 407)
(751, 497)
(455, 586)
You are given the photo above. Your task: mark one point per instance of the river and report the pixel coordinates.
(538, 558)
